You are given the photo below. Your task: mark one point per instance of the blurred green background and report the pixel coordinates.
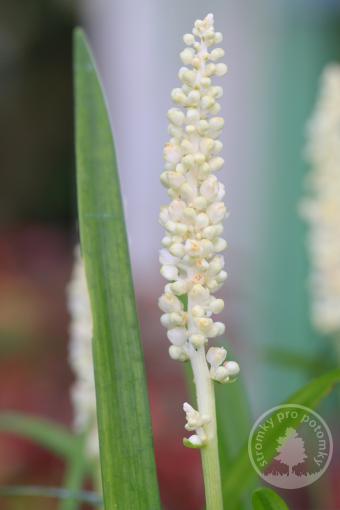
(277, 50)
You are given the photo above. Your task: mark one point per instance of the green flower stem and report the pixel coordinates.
(209, 453)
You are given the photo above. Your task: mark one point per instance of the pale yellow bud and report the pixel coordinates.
(188, 39)
(216, 54)
(221, 69)
(176, 116)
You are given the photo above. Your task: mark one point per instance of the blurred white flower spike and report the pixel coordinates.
(321, 207)
(191, 257)
(83, 393)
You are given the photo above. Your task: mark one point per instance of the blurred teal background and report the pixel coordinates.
(306, 39)
(275, 51)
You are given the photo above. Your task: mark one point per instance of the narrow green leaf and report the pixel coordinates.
(267, 499)
(46, 433)
(242, 473)
(51, 492)
(126, 450)
(233, 424)
(290, 359)
(76, 469)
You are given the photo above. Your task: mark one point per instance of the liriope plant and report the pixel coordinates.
(191, 257)
(193, 265)
(102, 305)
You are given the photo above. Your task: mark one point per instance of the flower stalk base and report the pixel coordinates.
(209, 452)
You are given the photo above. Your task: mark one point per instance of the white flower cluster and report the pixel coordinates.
(80, 357)
(191, 257)
(322, 207)
(195, 422)
(221, 370)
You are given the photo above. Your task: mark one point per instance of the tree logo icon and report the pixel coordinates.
(290, 446)
(291, 449)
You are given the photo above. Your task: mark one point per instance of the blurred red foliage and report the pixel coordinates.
(35, 266)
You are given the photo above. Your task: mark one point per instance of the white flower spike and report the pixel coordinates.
(322, 207)
(83, 393)
(191, 259)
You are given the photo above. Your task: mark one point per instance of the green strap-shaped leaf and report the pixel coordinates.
(233, 425)
(126, 449)
(288, 358)
(242, 473)
(52, 436)
(39, 491)
(267, 499)
(76, 470)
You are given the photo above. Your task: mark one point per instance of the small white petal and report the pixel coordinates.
(209, 188)
(165, 257)
(187, 408)
(177, 336)
(216, 123)
(194, 97)
(218, 37)
(204, 324)
(176, 116)
(197, 311)
(187, 55)
(216, 164)
(177, 249)
(216, 54)
(195, 440)
(169, 303)
(175, 209)
(188, 77)
(199, 203)
(221, 69)
(232, 368)
(220, 374)
(169, 272)
(216, 212)
(197, 340)
(178, 96)
(217, 306)
(188, 193)
(180, 287)
(193, 248)
(216, 264)
(188, 39)
(221, 276)
(164, 215)
(177, 353)
(216, 356)
(220, 245)
(175, 180)
(210, 232)
(172, 153)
